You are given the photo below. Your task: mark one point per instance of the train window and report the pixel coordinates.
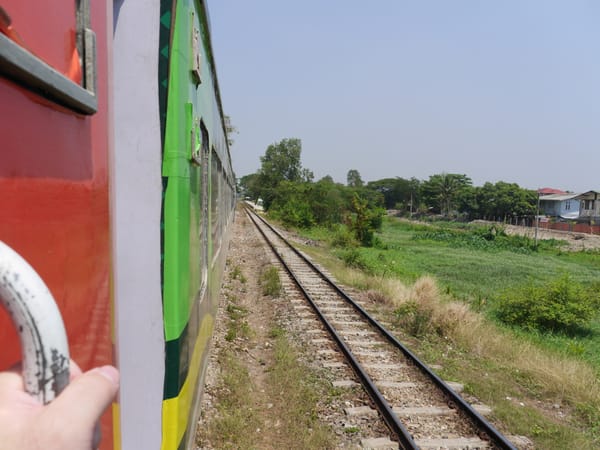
(222, 197)
(33, 51)
(204, 206)
(197, 146)
(214, 202)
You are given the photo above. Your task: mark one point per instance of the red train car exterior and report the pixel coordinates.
(54, 158)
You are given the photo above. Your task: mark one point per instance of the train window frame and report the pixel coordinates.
(29, 71)
(204, 206)
(215, 207)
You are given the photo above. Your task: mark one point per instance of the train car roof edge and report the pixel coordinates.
(206, 19)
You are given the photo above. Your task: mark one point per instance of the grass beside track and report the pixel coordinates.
(268, 403)
(541, 385)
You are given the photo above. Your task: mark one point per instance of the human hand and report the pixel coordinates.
(65, 424)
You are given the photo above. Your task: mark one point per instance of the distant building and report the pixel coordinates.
(560, 205)
(589, 207)
(549, 191)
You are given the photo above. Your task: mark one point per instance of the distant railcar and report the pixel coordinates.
(118, 189)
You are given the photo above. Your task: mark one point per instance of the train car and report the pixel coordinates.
(176, 178)
(119, 191)
(54, 174)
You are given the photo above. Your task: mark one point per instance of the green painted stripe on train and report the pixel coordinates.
(186, 104)
(186, 300)
(180, 203)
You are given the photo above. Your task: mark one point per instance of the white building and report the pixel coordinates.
(565, 205)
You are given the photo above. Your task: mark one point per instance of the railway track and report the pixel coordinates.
(420, 410)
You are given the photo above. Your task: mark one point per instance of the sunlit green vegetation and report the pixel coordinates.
(541, 381)
(270, 282)
(480, 265)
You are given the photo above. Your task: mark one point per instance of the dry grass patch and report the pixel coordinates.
(568, 379)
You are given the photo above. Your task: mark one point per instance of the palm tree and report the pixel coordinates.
(445, 187)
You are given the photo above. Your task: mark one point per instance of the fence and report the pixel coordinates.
(574, 227)
(546, 224)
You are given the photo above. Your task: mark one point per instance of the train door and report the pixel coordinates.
(55, 142)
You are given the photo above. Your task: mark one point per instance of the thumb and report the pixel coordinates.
(84, 400)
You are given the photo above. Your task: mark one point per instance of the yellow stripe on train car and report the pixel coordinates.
(116, 413)
(176, 410)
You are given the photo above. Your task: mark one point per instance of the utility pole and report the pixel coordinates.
(537, 219)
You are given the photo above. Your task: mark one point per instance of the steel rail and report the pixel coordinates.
(494, 435)
(385, 409)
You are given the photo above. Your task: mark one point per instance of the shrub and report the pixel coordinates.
(294, 214)
(562, 305)
(489, 233)
(417, 314)
(270, 282)
(414, 318)
(236, 273)
(365, 220)
(343, 238)
(353, 258)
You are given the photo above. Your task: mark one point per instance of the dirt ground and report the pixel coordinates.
(575, 241)
(254, 351)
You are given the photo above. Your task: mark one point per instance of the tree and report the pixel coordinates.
(291, 204)
(443, 190)
(505, 200)
(365, 220)
(327, 201)
(249, 186)
(281, 162)
(398, 193)
(354, 179)
(416, 189)
(289, 194)
(229, 130)
(307, 175)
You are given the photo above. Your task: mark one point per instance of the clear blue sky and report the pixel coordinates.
(498, 90)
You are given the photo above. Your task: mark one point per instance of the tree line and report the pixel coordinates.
(454, 196)
(288, 191)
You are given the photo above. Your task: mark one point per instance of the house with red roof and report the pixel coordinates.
(549, 191)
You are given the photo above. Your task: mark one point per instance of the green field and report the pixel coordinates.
(479, 272)
(473, 269)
